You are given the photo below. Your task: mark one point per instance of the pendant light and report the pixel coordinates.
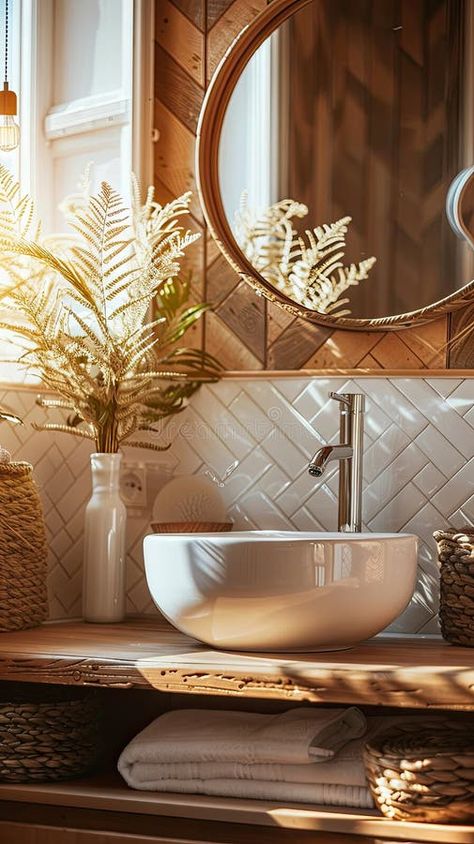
(9, 129)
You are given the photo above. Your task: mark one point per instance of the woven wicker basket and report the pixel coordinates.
(48, 733)
(23, 550)
(424, 773)
(456, 557)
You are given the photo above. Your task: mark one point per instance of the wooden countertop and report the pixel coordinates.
(149, 653)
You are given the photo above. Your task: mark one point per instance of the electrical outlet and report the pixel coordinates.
(133, 487)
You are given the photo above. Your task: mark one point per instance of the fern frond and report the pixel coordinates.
(63, 429)
(77, 307)
(147, 445)
(308, 269)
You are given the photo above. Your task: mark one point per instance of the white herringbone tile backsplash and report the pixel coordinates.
(418, 471)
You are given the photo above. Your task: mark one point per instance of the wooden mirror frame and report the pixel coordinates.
(209, 133)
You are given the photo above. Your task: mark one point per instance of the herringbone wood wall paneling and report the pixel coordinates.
(372, 136)
(243, 331)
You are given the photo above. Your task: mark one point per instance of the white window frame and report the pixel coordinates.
(43, 126)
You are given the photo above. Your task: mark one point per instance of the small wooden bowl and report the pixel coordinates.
(191, 527)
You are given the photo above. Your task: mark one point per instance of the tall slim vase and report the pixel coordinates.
(104, 543)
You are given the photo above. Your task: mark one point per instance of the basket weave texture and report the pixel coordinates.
(191, 527)
(456, 557)
(49, 734)
(424, 773)
(23, 550)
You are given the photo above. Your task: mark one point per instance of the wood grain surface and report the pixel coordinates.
(184, 817)
(191, 38)
(400, 672)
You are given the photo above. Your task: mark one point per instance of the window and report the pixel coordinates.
(83, 71)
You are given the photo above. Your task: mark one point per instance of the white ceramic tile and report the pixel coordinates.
(274, 482)
(326, 424)
(438, 412)
(399, 510)
(304, 520)
(413, 619)
(290, 388)
(225, 391)
(224, 425)
(285, 418)
(469, 417)
(383, 450)
(284, 452)
(263, 511)
(202, 439)
(464, 515)
(241, 520)
(427, 590)
(416, 474)
(424, 523)
(440, 451)
(189, 462)
(455, 491)
(247, 474)
(444, 386)
(429, 480)
(301, 490)
(461, 398)
(405, 414)
(431, 628)
(393, 480)
(251, 416)
(323, 506)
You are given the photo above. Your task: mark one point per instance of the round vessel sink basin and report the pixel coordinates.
(281, 591)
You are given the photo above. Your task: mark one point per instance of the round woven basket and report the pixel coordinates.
(424, 773)
(48, 733)
(456, 611)
(23, 550)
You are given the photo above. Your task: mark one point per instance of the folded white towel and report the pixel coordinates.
(209, 760)
(298, 736)
(290, 756)
(355, 796)
(347, 768)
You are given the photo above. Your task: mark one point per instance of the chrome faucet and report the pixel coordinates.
(349, 453)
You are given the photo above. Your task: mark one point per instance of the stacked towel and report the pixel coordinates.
(308, 755)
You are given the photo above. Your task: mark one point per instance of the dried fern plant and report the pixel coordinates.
(308, 270)
(6, 416)
(78, 306)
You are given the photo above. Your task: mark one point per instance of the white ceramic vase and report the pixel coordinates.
(104, 543)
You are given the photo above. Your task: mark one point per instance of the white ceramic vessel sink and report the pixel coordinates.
(281, 591)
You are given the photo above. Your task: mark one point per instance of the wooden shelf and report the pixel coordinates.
(142, 653)
(108, 793)
(150, 654)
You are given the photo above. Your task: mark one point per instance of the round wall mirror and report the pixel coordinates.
(328, 142)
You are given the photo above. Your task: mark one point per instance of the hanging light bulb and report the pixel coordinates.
(9, 129)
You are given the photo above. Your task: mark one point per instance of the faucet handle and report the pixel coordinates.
(354, 401)
(342, 397)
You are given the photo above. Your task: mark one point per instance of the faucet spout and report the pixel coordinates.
(325, 455)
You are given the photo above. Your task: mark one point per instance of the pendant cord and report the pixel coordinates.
(6, 40)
